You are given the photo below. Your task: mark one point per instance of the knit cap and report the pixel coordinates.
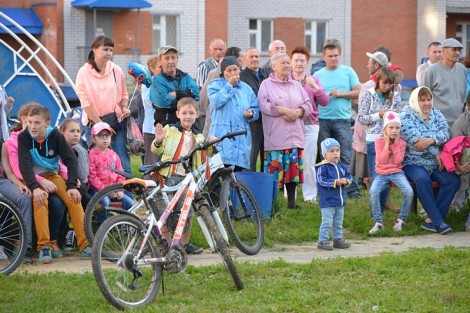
(327, 144)
(391, 117)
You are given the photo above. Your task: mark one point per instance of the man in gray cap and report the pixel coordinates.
(169, 86)
(447, 80)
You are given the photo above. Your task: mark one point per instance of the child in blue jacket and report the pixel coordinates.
(332, 179)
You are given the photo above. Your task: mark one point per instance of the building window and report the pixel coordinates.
(261, 34)
(463, 35)
(315, 36)
(164, 31)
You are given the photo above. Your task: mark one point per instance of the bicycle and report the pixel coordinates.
(138, 249)
(243, 219)
(12, 236)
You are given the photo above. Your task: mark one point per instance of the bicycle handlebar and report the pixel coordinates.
(202, 146)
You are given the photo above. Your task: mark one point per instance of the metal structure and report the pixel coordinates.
(20, 76)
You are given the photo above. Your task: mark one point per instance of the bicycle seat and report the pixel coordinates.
(138, 185)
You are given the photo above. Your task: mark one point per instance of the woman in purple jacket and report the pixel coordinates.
(283, 104)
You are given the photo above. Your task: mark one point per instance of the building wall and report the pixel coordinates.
(431, 25)
(215, 12)
(392, 24)
(287, 14)
(192, 45)
(191, 34)
(52, 37)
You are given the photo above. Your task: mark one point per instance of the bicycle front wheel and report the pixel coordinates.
(126, 282)
(12, 237)
(243, 219)
(97, 210)
(221, 245)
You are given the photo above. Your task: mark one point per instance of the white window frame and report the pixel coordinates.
(313, 33)
(464, 37)
(162, 27)
(258, 33)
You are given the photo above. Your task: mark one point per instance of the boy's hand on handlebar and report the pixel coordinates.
(213, 138)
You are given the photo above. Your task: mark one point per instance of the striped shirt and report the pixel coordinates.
(203, 69)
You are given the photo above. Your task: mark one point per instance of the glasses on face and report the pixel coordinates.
(103, 136)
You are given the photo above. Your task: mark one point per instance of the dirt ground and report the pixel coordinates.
(303, 253)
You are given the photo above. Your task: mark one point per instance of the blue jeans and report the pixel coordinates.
(25, 206)
(119, 143)
(126, 203)
(380, 184)
(371, 162)
(436, 208)
(331, 217)
(340, 130)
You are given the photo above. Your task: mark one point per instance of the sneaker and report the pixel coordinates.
(399, 225)
(376, 228)
(428, 227)
(45, 256)
(355, 195)
(56, 251)
(3, 255)
(341, 244)
(86, 253)
(28, 257)
(192, 248)
(443, 229)
(324, 245)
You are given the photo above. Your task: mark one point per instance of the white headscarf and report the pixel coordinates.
(414, 103)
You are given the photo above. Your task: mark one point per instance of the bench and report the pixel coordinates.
(414, 203)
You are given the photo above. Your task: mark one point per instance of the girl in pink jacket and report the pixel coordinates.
(390, 152)
(102, 156)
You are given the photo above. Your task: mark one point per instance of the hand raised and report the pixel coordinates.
(159, 133)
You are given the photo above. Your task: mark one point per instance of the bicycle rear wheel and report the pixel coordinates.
(12, 237)
(221, 245)
(243, 219)
(124, 283)
(97, 211)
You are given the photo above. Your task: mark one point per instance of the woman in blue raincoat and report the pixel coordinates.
(233, 105)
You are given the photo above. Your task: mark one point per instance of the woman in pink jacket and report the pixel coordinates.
(101, 88)
(284, 104)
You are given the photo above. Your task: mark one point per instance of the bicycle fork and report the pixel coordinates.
(198, 203)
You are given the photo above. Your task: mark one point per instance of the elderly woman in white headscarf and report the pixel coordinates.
(425, 131)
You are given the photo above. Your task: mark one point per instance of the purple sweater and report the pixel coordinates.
(278, 133)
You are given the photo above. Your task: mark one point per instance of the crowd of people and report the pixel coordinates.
(363, 130)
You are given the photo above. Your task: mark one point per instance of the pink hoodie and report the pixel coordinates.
(12, 148)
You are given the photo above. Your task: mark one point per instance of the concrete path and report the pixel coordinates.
(303, 253)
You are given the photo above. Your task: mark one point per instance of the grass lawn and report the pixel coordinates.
(423, 280)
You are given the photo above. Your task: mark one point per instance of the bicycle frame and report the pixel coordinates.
(215, 163)
(192, 186)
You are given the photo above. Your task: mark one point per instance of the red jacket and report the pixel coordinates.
(453, 150)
